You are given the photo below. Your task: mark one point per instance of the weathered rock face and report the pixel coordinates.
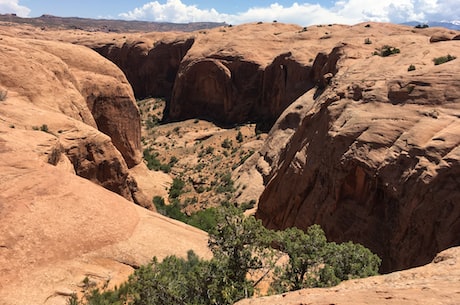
(221, 89)
(69, 91)
(56, 227)
(373, 158)
(150, 66)
(233, 90)
(108, 97)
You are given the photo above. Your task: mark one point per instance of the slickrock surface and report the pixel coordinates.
(58, 228)
(435, 283)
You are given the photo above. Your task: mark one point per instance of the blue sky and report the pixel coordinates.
(241, 11)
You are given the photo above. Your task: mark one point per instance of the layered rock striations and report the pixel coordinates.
(374, 156)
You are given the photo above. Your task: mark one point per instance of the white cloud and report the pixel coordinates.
(172, 11)
(12, 6)
(344, 11)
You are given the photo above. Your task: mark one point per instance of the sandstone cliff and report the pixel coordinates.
(229, 75)
(246, 73)
(149, 64)
(374, 156)
(73, 93)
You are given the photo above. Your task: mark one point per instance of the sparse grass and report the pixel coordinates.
(44, 128)
(154, 164)
(443, 59)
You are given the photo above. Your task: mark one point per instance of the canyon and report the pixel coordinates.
(357, 142)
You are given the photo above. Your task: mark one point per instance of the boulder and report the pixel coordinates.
(440, 37)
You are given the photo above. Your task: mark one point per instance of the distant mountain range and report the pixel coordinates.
(455, 25)
(105, 25)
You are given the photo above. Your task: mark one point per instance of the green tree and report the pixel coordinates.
(240, 245)
(315, 262)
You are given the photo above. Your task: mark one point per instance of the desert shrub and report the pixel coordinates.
(239, 137)
(176, 188)
(154, 164)
(3, 95)
(411, 68)
(209, 150)
(226, 143)
(152, 121)
(204, 219)
(315, 262)
(304, 29)
(44, 128)
(225, 184)
(443, 59)
(386, 50)
(422, 26)
(367, 41)
(248, 205)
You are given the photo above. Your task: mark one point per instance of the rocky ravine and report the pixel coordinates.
(365, 148)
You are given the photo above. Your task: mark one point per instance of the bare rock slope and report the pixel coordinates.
(58, 228)
(374, 156)
(69, 134)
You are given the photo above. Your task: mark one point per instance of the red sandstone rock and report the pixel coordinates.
(373, 158)
(56, 85)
